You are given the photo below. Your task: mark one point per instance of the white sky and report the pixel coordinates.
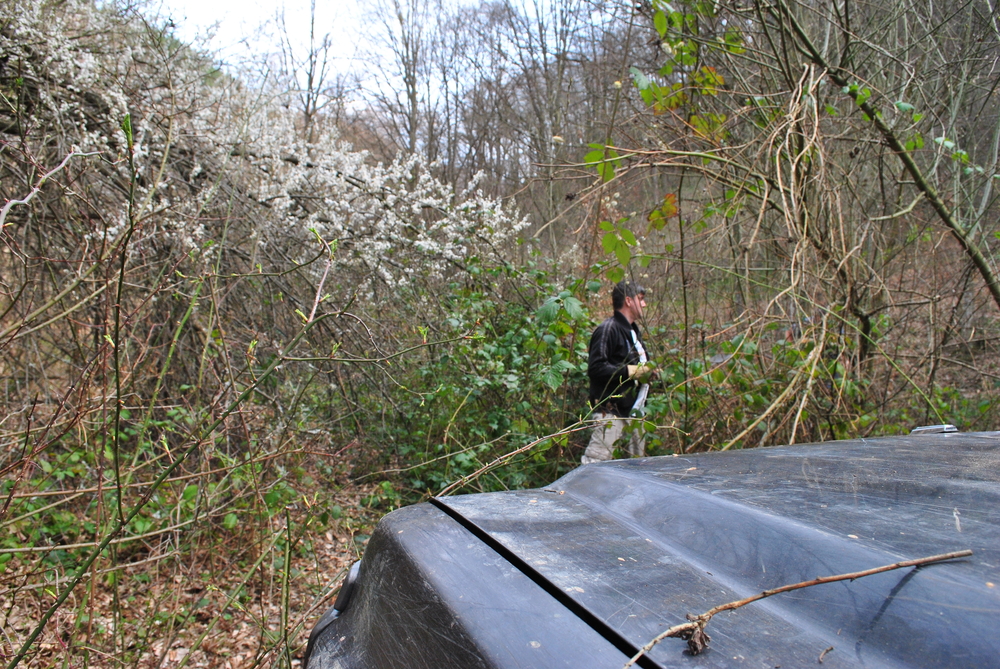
(234, 26)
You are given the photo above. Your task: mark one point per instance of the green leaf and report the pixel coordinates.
(596, 156)
(548, 311)
(623, 254)
(606, 171)
(613, 158)
(904, 106)
(640, 79)
(189, 492)
(628, 237)
(593, 286)
(230, 521)
(607, 226)
(552, 378)
(734, 41)
(831, 110)
(574, 308)
(126, 126)
(660, 23)
(609, 242)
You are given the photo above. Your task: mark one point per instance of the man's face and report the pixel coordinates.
(636, 305)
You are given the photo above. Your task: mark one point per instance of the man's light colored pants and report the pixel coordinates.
(606, 433)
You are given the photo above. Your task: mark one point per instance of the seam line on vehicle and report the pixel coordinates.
(610, 634)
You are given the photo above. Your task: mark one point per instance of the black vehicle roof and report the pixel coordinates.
(641, 543)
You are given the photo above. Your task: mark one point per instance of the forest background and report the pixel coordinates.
(245, 310)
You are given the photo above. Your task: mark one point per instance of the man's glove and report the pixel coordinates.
(642, 373)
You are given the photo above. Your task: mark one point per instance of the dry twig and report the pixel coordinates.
(694, 631)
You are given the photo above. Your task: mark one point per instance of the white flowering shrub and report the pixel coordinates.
(224, 185)
(387, 223)
(160, 267)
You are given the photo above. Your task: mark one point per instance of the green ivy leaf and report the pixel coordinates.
(904, 106)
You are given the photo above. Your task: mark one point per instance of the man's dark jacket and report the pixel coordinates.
(611, 352)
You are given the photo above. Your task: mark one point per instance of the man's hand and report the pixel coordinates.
(643, 373)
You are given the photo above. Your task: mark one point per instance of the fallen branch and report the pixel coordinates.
(694, 631)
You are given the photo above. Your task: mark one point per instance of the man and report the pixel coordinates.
(619, 372)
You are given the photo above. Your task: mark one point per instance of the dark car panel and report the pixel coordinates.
(612, 554)
(426, 583)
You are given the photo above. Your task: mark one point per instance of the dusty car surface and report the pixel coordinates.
(583, 572)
